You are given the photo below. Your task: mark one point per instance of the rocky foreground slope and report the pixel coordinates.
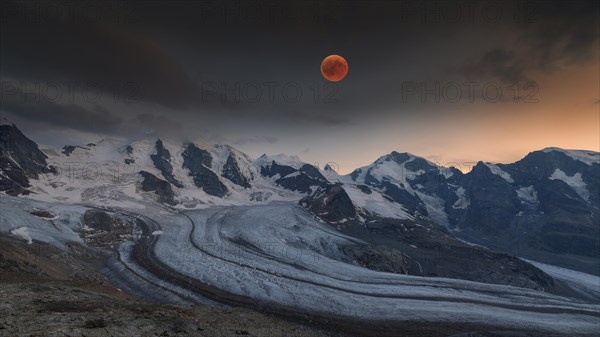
(41, 295)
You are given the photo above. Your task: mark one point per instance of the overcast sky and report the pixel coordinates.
(455, 82)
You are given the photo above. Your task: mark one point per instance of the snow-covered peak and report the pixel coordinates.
(221, 154)
(281, 159)
(588, 157)
(394, 166)
(394, 156)
(230, 150)
(404, 157)
(329, 171)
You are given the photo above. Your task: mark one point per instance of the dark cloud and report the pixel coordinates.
(331, 120)
(157, 124)
(498, 64)
(255, 140)
(558, 34)
(564, 34)
(94, 119)
(61, 49)
(334, 117)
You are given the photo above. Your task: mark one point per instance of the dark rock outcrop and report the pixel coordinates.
(41, 213)
(381, 258)
(20, 160)
(432, 251)
(162, 161)
(129, 152)
(231, 171)
(198, 162)
(68, 149)
(331, 204)
(163, 190)
(493, 201)
(365, 189)
(100, 220)
(273, 169)
(105, 230)
(304, 179)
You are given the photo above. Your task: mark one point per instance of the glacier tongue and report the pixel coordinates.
(279, 253)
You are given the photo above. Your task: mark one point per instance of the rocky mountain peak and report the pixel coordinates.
(20, 159)
(328, 168)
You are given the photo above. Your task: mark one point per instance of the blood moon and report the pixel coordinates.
(334, 68)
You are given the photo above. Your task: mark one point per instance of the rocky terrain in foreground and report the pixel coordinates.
(40, 295)
(64, 310)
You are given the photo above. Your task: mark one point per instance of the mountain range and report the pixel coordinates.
(544, 207)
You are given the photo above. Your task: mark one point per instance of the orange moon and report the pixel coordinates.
(334, 68)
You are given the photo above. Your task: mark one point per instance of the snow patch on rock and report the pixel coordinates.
(527, 194)
(435, 208)
(376, 203)
(462, 202)
(498, 171)
(575, 181)
(23, 233)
